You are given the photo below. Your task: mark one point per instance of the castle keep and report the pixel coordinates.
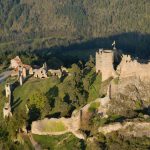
(104, 63)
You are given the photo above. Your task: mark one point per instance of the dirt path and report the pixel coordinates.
(64, 139)
(4, 75)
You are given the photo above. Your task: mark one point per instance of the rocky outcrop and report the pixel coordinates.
(126, 82)
(129, 92)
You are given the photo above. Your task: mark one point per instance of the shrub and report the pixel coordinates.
(93, 106)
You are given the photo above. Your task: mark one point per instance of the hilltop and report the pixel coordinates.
(87, 105)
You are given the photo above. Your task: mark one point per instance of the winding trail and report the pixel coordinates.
(5, 75)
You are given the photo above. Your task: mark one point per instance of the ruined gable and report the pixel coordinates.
(16, 62)
(40, 73)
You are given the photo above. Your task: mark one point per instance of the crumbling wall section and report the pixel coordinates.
(129, 68)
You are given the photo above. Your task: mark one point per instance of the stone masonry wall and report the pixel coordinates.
(104, 63)
(129, 67)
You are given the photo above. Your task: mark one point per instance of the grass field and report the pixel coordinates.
(64, 142)
(22, 93)
(54, 126)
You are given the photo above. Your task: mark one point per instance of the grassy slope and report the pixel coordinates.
(22, 93)
(63, 142)
(54, 126)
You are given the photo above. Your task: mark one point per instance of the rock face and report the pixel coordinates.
(136, 129)
(104, 63)
(128, 95)
(133, 88)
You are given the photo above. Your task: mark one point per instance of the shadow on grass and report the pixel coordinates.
(16, 103)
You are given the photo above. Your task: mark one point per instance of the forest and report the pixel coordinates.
(75, 26)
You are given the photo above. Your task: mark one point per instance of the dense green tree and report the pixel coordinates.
(16, 122)
(38, 101)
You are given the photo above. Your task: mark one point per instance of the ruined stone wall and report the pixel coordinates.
(104, 63)
(40, 73)
(128, 68)
(7, 90)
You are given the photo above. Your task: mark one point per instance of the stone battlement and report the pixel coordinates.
(102, 51)
(129, 67)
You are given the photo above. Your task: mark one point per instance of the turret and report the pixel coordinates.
(8, 90)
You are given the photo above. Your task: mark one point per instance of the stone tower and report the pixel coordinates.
(21, 80)
(104, 63)
(8, 90)
(7, 110)
(24, 72)
(20, 75)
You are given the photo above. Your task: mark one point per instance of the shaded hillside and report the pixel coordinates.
(32, 24)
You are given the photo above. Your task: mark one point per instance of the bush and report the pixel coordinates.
(94, 106)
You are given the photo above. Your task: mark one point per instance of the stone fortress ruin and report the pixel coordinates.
(22, 72)
(41, 72)
(105, 60)
(128, 67)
